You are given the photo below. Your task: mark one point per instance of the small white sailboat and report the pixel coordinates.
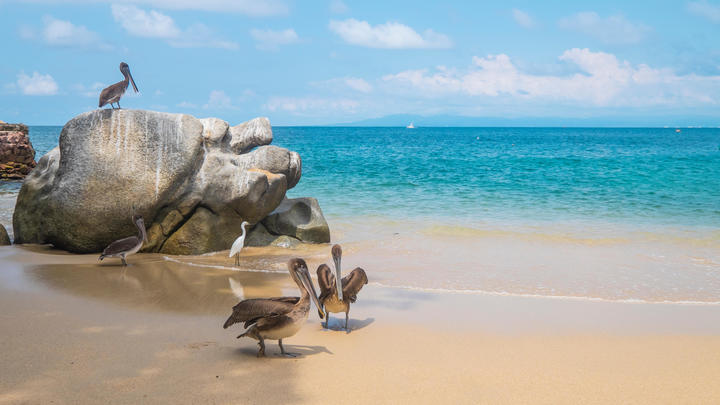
(411, 126)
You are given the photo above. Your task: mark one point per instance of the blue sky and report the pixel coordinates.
(324, 62)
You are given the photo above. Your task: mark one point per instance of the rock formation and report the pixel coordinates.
(17, 156)
(193, 180)
(293, 221)
(4, 237)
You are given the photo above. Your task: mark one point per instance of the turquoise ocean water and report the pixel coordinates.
(639, 176)
(611, 214)
(628, 176)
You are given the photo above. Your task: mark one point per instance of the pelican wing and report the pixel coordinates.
(326, 281)
(121, 245)
(111, 93)
(353, 283)
(249, 311)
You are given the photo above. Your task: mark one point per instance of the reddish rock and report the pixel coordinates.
(17, 156)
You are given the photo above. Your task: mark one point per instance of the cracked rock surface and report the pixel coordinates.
(193, 180)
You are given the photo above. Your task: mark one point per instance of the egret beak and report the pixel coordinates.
(338, 275)
(310, 287)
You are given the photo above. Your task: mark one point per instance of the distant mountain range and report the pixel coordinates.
(401, 120)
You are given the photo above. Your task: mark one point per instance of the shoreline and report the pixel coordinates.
(152, 333)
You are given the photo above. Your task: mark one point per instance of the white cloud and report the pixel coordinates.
(705, 9)
(391, 35)
(310, 105)
(603, 81)
(338, 7)
(153, 24)
(358, 84)
(270, 39)
(144, 24)
(37, 84)
(63, 33)
(253, 8)
(610, 30)
(522, 18)
(218, 100)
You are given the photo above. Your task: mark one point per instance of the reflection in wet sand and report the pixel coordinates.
(157, 284)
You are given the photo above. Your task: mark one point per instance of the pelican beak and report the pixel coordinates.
(310, 287)
(132, 81)
(338, 275)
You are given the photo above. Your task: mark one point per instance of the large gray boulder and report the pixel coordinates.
(300, 218)
(194, 181)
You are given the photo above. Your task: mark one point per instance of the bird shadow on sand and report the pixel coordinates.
(338, 324)
(272, 351)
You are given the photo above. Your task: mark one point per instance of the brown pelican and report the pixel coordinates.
(238, 244)
(334, 296)
(277, 318)
(127, 246)
(112, 93)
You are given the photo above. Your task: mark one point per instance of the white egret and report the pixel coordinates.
(238, 244)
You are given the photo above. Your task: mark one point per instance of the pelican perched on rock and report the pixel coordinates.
(112, 93)
(238, 244)
(127, 246)
(277, 318)
(336, 295)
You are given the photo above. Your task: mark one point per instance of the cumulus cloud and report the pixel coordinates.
(253, 8)
(523, 19)
(270, 39)
(603, 81)
(705, 9)
(63, 33)
(37, 84)
(610, 30)
(141, 23)
(153, 24)
(391, 35)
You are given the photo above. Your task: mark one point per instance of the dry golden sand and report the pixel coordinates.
(75, 331)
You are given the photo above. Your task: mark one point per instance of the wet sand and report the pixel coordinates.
(78, 331)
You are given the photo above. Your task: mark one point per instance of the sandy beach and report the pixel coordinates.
(79, 331)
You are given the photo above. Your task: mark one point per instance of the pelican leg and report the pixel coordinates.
(122, 257)
(118, 103)
(283, 352)
(261, 343)
(327, 320)
(347, 315)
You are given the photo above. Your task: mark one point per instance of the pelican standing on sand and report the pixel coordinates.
(238, 244)
(336, 296)
(127, 246)
(277, 318)
(112, 93)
